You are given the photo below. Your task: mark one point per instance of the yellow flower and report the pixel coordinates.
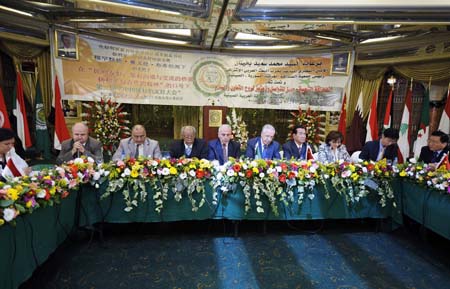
(29, 204)
(355, 176)
(52, 191)
(13, 194)
(402, 174)
(2, 222)
(255, 170)
(173, 171)
(134, 173)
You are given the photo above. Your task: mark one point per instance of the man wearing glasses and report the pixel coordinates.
(189, 146)
(436, 150)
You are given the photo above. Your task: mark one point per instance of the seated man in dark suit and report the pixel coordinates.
(80, 144)
(298, 148)
(189, 146)
(385, 148)
(223, 147)
(436, 149)
(264, 147)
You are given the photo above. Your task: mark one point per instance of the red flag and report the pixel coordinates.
(372, 122)
(342, 127)
(444, 162)
(355, 139)
(387, 116)
(12, 167)
(61, 131)
(4, 119)
(444, 124)
(23, 131)
(309, 153)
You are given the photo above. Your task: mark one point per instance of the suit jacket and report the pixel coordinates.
(199, 149)
(371, 149)
(290, 150)
(216, 150)
(325, 154)
(127, 148)
(92, 148)
(426, 155)
(273, 150)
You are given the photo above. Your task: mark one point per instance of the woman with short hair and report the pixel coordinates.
(333, 150)
(11, 164)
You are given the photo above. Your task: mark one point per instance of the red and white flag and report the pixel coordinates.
(61, 131)
(15, 165)
(444, 162)
(23, 131)
(444, 124)
(372, 121)
(4, 119)
(387, 117)
(404, 139)
(342, 127)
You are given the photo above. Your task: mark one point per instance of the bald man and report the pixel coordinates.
(223, 147)
(81, 144)
(137, 145)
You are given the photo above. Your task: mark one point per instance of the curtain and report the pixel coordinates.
(186, 115)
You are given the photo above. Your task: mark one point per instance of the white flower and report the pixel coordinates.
(90, 160)
(127, 172)
(261, 175)
(41, 194)
(230, 173)
(9, 214)
(165, 171)
(183, 176)
(96, 176)
(78, 161)
(260, 210)
(192, 173)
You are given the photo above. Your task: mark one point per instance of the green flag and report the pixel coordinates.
(424, 127)
(42, 137)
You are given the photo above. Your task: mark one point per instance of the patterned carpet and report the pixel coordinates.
(177, 256)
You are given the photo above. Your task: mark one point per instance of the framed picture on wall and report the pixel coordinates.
(66, 44)
(340, 63)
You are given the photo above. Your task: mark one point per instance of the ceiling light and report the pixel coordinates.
(135, 7)
(328, 38)
(181, 32)
(15, 11)
(381, 39)
(156, 39)
(88, 20)
(391, 80)
(248, 36)
(256, 47)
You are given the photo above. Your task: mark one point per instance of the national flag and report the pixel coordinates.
(444, 124)
(424, 127)
(4, 119)
(42, 137)
(444, 162)
(61, 131)
(22, 129)
(355, 137)
(15, 165)
(309, 153)
(387, 117)
(372, 121)
(404, 133)
(342, 127)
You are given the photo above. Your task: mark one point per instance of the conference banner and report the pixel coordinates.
(138, 75)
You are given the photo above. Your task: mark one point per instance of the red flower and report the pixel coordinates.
(199, 173)
(64, 194)
(291, 175)
(236, 168)
(282, 178)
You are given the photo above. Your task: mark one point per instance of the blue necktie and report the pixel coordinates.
(303, 152)
(266, 152)
(188, 151)
(435, 158)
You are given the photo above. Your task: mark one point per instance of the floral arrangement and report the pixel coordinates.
(163, 176)
(239, 128)
(277, 181)
(312, 121)
(107, 122)
(425, 174)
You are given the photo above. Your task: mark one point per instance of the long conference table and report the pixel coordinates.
(28, 244)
